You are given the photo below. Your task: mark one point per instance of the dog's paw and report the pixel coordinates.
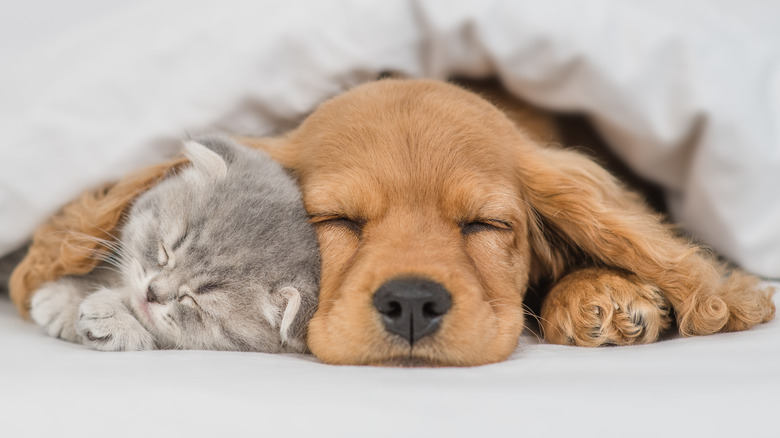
(55, 307)
(104, 323)
(598, 307)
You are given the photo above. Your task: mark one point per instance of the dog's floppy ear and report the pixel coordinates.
(582, 212)
(582, 215)
(280, 149)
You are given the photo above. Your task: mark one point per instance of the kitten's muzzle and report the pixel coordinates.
(412, 308)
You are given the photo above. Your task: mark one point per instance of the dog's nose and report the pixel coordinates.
(412, 307)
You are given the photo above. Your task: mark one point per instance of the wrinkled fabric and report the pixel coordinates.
(687, 93)
(724, 385)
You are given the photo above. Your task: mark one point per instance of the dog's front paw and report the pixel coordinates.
(54, 307)
(597, 307)
(104, 323)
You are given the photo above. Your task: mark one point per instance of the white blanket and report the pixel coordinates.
(687, 93)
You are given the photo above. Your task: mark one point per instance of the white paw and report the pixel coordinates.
(104, 323)
(55, 307)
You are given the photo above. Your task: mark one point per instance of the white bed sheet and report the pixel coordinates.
(725, 385)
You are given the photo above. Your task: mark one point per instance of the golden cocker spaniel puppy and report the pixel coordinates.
(435, 213)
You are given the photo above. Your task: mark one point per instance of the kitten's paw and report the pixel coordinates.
(598, 307)
(104, 323)
(54, 307)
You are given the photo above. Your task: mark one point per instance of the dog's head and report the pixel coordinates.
(425, 227)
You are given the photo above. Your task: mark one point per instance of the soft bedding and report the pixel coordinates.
(686, 93)
(716, 386)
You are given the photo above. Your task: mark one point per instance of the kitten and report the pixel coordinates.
(220, 256)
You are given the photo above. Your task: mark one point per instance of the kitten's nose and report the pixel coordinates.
(412, 307)
(151, 295)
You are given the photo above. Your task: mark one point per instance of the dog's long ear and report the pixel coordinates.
(581, 214)
(280, 149)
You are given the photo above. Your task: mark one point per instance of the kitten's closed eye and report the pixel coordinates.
(180, 240)
(209, 287)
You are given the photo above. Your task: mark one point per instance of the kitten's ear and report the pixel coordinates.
(293, 298)
(205, 160)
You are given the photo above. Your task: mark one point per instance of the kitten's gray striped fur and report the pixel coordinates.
(220, 256)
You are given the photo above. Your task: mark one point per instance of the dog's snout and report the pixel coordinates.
(412, 307)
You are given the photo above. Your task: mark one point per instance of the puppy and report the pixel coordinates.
(435, 213)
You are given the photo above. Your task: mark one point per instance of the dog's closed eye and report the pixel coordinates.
(353, 225)
(481, 225)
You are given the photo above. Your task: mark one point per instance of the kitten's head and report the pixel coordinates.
(221, 255)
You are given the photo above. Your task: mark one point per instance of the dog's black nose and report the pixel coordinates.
(412, 307)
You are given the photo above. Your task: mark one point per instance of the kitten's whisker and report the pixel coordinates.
(108, 251)
(109, 234)
(113, 269)
(90, 238)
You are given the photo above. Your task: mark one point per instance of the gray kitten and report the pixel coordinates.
(219, 256)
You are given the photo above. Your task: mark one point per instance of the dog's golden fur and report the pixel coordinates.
(394, 172)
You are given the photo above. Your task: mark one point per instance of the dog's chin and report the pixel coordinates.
(427, 355)
(410, 358)
(424, 361)
(410, 361)
(386, 350)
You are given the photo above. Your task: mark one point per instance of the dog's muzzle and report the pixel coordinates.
(412, 308)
